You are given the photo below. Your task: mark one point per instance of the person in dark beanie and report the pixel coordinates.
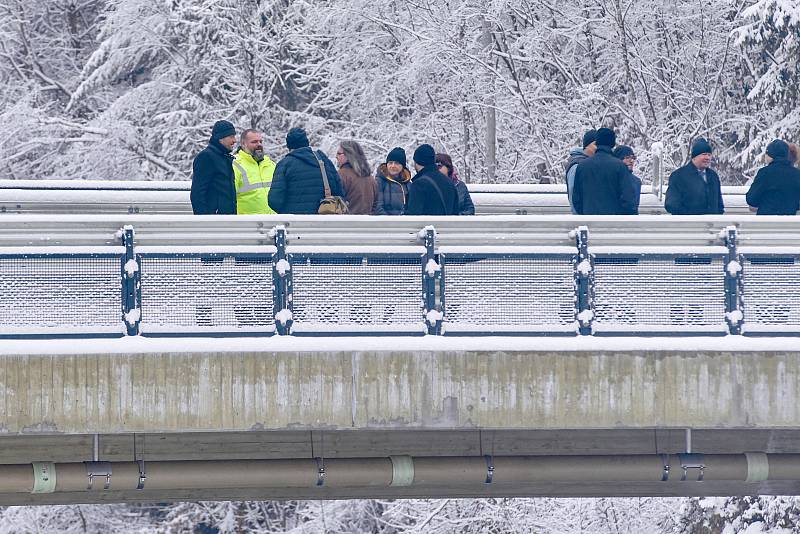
(430, 193)
(776, 188)
(445, 165)
(694, 189)
(628, 157)
(297, 185)
(602, 183)
(393, 178)
(213, 189)
(576, 155)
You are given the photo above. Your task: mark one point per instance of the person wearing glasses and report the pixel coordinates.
(358, 183)
(445, 165)
(628, 157)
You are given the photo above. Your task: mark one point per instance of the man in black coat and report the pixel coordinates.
(430, 192)
(776, 189)
(213, 188)
(694, 189)
(602, 183)
(297, 185)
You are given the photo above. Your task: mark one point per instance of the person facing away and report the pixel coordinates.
(445, 165)
(694, 189)
(628, 157)
(358, 183)
(576, 155)
(252, 173)
(602, 183)
(776, 189)
(297, 185)
(213, 191)
(393, 178)
(430, 193)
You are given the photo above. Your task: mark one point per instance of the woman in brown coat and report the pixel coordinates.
(360, 188)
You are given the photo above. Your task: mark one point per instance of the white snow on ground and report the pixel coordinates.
(389, 344)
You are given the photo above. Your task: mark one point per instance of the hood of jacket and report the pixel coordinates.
(305, 154)
(405, 174)
(576, 155)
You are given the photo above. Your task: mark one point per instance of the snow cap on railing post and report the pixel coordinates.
(432, 283)
(281, 282)
(131, 283)
(584, 269)
(734, 314)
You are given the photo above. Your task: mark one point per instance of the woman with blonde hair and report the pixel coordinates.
(359, 186)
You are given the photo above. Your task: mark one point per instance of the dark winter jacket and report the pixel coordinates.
(432, 193)
(603, 186)
(465, 205)
(776, 189)
(213, 190)
(637, 189)
(359, 191)
(297, 182)
(576, 155)
(689, 194)
(392, 194)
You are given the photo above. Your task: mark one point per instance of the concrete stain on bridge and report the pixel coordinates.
(391, 389)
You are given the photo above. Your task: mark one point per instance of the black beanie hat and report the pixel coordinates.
(222, 129)
(397, 155)
(296, 138)
(589, 138)
(425, 155)
(701, 146)
(606, 137)
(623, 152)
(778, 149)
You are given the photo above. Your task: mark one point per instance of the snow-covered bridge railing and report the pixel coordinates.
(121, 197)
(314, 275)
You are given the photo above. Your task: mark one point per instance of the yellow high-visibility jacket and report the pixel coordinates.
(253, 181)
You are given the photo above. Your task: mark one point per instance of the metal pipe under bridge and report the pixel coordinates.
(250, 357)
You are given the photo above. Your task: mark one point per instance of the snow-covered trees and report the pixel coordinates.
(129, 88)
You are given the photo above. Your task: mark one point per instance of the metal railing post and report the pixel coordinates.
(281, 283)
(584, 270)
(432, 284)
(734, 314)
(131, 284)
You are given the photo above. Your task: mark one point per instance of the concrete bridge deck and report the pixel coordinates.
(282, 397)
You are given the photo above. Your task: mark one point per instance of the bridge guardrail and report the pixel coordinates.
(172, 198)
(312, 275)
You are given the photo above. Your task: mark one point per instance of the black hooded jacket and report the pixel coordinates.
(689, 194)
(213, 189)
(776, 189)
(603, 186)
(297, 183)
(432, 193)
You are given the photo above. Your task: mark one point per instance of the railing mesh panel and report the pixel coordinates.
(771, 291)
(219, 291)
(356, 291)
(482, 290)
(631, 291)
(60, 292)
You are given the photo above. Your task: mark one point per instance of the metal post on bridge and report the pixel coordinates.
(131, 284)
(733, 282)
(432, 284)
(281, 283)
(583, 278)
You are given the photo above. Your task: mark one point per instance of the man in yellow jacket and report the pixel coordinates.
(252, 172)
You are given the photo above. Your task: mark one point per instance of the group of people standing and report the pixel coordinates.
(249, 182)
(601, 181)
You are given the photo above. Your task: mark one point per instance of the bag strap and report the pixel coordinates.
(439, 191)
(324, 174)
